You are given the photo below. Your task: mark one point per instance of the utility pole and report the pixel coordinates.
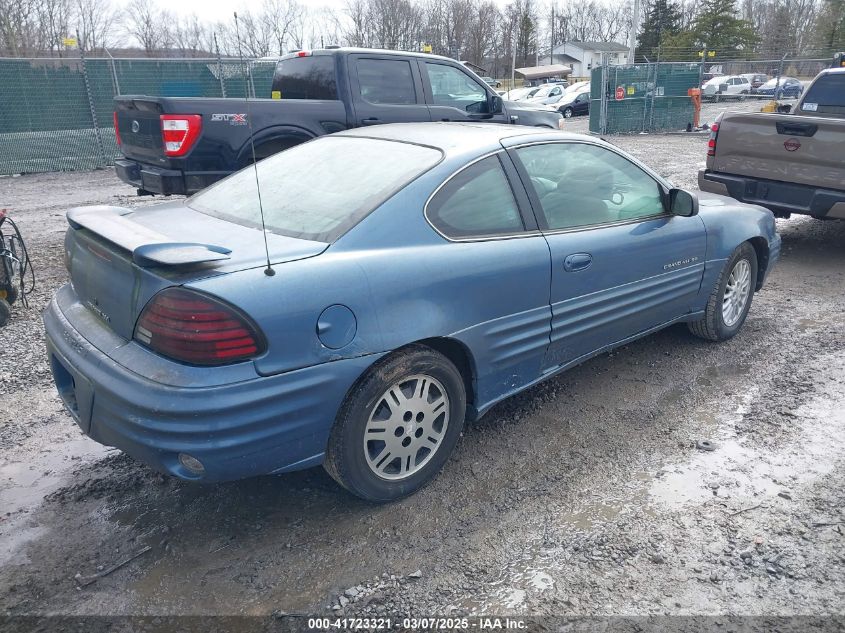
(552, 42)
(632, 39)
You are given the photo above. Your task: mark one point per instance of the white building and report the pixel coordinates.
(584, 56)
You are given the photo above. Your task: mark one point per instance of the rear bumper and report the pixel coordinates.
(164, 181)
(782, 198)
(266, 424)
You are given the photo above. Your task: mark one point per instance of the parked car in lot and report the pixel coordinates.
(548, 94)
(520, 94)
(418, 275)
(183, 144)
(574, 104)
(723, 87)
(780, 88)
(492, 82)
(789, 163)
(756, 80)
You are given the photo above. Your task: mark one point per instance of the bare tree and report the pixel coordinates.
(18, 27)
(54, 18)
(95, 20)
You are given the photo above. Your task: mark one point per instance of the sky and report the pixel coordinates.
(220, 11)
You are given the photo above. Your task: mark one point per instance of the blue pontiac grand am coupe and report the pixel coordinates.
(419, 274)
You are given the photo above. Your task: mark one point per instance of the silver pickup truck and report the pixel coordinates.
(790, 162)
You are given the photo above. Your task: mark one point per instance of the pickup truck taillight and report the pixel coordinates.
(179, 132)
(196, 328)
(714, 133)
(116, 130)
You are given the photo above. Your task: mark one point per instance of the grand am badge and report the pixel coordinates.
(682, 262)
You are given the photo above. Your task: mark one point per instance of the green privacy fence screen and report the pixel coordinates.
(56, 114)
(642, 97)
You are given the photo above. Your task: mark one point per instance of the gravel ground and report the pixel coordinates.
(590, 494)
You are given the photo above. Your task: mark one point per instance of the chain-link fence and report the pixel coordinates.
(56, 114)
(641, 97)
(655, 97)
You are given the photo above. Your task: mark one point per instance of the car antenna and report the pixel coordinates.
(269, 270)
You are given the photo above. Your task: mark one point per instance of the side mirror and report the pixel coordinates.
(497, 106)
(785, 108)
(682, 203)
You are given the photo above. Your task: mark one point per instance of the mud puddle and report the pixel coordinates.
(731, 470)
(43, 464)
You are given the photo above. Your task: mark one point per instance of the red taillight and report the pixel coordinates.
(179, 132)
(191, 327)
(714, 133)
(116, 130)
(303, 54)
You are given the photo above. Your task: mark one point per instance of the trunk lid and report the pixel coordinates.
(785, 147)
(118, 259)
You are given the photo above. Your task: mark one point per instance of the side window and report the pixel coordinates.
(386, 81)
(579, 184)
(476, 202)
(453, 87)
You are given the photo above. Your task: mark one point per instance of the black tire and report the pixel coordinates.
(713, 327)
(5, 312)
(346, 458)
(9, 293)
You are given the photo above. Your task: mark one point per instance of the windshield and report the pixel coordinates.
(317, 190)
(543, 92)
(773, 82)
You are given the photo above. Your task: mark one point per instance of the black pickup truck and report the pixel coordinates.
(179, 145)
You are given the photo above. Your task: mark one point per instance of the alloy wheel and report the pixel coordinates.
(406, 427)
(737, 292)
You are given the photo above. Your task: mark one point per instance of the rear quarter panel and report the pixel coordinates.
(224, 142)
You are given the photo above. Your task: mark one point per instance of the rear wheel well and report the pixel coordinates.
(460, 357)
(761, 248)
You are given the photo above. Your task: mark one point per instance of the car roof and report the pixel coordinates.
(344, 50)
(457, 137)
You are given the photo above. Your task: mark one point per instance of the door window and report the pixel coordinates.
(476, 202)
(386, 81)
(452, 87)
(579, 184)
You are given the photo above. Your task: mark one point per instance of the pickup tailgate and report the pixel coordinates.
(139, 126)
(784, 147)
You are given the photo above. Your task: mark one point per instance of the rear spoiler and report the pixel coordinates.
(149, 248)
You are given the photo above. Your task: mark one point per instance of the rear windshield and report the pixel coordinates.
(317, 190)
(827, 90)
(311, 77)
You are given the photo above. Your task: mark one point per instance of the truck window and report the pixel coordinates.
(386, 81)
(311, 77)
(827, 90)
(452, 87)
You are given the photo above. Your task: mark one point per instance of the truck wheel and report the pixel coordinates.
(5, 312)
(730, 299)
(398, 425)
(742, 95)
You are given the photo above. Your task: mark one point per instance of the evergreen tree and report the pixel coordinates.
(662, 20)
(718, 27)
